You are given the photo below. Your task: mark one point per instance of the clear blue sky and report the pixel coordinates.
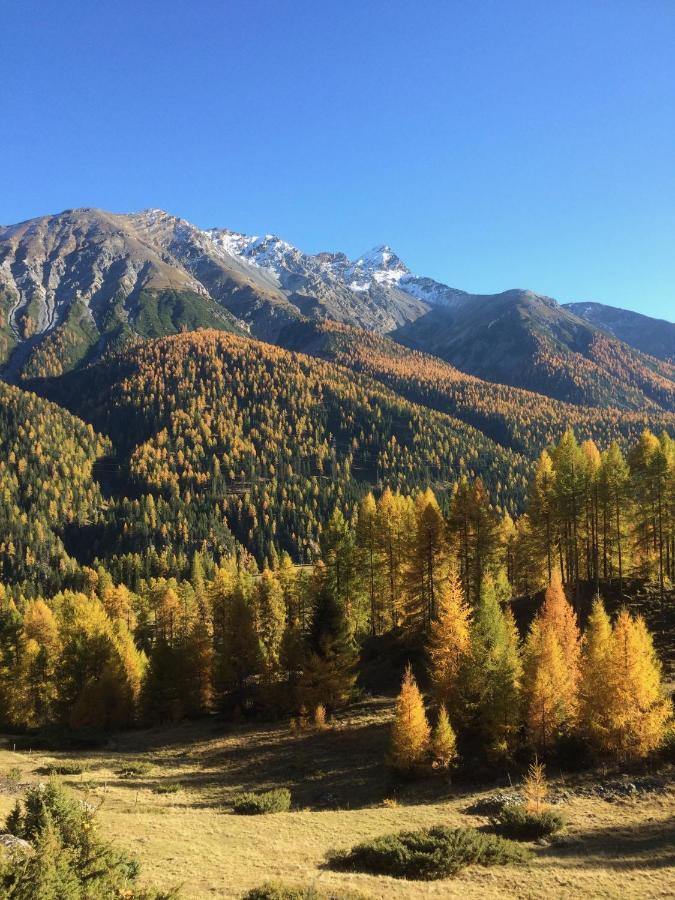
(492, 144)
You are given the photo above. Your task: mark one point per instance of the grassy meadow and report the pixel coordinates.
(166, 795)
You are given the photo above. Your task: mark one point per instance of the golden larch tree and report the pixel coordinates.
(449, 645)
(410, 732)
(596, 685)
(443, 741)
(550, 694)
(557, 615)
(640, 711)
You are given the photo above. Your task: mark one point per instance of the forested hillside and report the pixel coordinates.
(522, 420)
(265, 442)
(46, 486)
(528, 341)
(226, 634)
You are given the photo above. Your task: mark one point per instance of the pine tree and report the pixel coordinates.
(557, 614)
(591, 519)
(219, 593)
(270, 619)
(395, 524)
(449, 645)
(238, 654)
(411, 733)
(427, 563)
(198, 583)
(541, 510)
(370, 559)
(329, 673)
(294, 600)
(342, 576)
(32, 688)
(161, 697)
(196, 675)
(110, 700)
(614, 481)
(551, 668)
(568, 463)
(474, 526)
(443, 741)
(494, 674)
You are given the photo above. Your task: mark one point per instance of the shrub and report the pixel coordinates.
(251, 804)
(517, 821)
(63, 769)
(428, 854)
(276, 890)
(171, 787)
(535, 788)
(135, 770)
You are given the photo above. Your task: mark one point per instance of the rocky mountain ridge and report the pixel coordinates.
(73, 284)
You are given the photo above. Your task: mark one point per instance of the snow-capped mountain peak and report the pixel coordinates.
(379, 271)
(381, 259)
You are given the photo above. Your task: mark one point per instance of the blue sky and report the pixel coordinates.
(491, 144)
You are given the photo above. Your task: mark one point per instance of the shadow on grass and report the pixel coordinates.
(646, 845)
(337, 768)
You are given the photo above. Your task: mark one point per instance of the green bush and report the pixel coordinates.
(64, 769)
(135, 770)
(428, 854)
(251, 804)
(171, 787)
(517, 821)
(68, 858)
(276, 890)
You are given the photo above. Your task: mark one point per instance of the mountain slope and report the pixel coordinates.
(272, 440)
(653, 336)
(74, 284)
(249, 292)
(522, 420)
(526, 340)
(71, 283)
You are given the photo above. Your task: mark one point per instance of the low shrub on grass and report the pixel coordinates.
(63, 769)
(428, 854)
(170, 788)
(252, 804)
(516, 821)
(135, 770)
(276, 890)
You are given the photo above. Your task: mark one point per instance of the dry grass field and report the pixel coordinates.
(342, 794)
